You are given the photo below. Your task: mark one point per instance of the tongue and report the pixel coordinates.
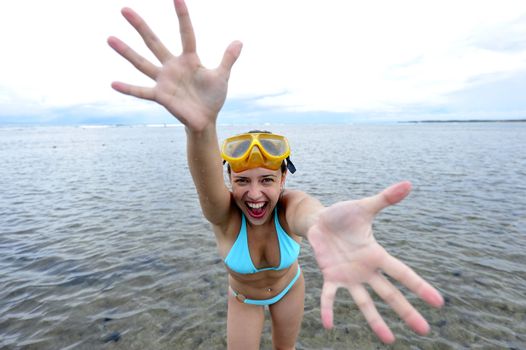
(257, 212)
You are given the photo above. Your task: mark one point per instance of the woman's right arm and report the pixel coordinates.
(192, 94)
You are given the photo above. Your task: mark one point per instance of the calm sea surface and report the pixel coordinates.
(103, 246)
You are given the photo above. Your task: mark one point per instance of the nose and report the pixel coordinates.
(254, 191)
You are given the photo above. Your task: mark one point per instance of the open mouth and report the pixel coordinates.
(257, 210)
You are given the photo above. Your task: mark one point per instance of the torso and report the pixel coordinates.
(263, 246)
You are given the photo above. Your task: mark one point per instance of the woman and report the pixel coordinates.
(258, 225)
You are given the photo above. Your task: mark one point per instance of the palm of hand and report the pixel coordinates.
(344, 245)
(189, 91)
(349, 256)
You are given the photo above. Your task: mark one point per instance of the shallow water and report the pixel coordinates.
(102, 243)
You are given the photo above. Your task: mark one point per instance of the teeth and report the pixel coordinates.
(255, 205)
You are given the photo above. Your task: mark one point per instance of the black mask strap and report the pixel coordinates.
(290, 166)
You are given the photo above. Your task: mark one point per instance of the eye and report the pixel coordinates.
(241, 181)
(268, 180)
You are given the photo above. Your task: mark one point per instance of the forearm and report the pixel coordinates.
(204, 161)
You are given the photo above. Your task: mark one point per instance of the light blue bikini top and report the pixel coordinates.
(239, 260)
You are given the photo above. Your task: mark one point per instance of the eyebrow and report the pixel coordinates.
(262, 176)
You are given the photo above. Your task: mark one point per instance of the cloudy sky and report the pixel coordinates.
(302, 60)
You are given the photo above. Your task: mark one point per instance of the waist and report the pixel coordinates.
(262, 285)
(268, 301)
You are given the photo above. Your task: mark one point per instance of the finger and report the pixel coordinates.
(132, 90)
(392, 296)
(230, 57)
(141, 63)
(185, 27)
(405, 275)
(328, 294)
(150, 39)
(390, 196)
(376, 322)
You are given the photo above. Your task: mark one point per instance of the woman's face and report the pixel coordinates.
(256, 191)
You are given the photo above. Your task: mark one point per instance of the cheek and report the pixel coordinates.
(237, 192)
(275, 191)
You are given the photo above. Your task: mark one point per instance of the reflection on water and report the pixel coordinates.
(102, 242)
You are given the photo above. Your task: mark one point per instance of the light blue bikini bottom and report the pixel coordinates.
(270, 301)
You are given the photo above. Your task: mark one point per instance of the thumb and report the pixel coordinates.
(390, 196)
(230, 56)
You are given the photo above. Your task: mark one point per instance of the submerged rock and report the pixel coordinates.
(441, 323)
(112, 337)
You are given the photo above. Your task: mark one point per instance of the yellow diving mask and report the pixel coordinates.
(256, 149)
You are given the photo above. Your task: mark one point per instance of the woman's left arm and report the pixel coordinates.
(348, 256)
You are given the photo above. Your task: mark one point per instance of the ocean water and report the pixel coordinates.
(103, 246)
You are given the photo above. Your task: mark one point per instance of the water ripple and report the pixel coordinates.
(103, 243)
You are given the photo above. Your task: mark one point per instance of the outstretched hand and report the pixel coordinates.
(349, 256)
(189, 91)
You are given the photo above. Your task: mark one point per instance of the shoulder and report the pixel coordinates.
(293, 194)
(286, 206)
(291, 198)
(289, 202)
(301, 210)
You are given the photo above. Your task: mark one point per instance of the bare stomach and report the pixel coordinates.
(262, 285)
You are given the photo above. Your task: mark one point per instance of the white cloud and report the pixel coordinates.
(299, 55)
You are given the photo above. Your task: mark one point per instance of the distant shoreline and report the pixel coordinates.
(343, 122)
(467, 121)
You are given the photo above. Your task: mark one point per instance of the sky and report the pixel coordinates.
(302, 60)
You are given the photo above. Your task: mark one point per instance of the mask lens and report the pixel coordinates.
(237, 148)
(275, 146)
